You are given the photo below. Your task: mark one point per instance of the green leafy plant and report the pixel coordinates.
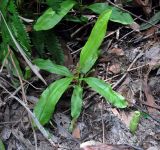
(52, 17)
(89, 54)
(11, 15)
(15, 39)
(58, 10)
(11, 19)
(47, 40)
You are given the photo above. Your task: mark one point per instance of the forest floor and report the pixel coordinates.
(130, 66)
(130, 62)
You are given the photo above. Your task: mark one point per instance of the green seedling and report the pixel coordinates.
(88, 56)
(134, 122)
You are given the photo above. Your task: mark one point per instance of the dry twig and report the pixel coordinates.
(36, 121)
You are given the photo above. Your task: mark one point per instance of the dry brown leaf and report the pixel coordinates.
(76, 132)
(145, 4)
(115, 68)
(127, 91)
(135, 26)
(63, 123)
(125, 117)
(150, 31)
(150, 99)
(117, 51)
(93, 145)
(68, 60)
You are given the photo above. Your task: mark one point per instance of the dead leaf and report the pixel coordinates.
(115, 68)
(152, 148)
(63, 123)
(135, 26)
(145, 4)
(5, 133)
(68, 60)
(153, 53)
(45, 146)
(93, 145)
(125, 117)
(117, 51)
(150, 31)
(19, 136)
(128, 90)
(29, 28)
(76, 132)
(150, 99)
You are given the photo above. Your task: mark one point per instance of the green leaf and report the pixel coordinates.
(105, 90)
(89, 53)
(50, 18)
(155, 19)
(117, 14)
(49, 66)
(76, 102)
(55, 4)
(49, 98)
(1, 145)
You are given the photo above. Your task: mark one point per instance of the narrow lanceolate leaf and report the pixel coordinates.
(76, 102)
(50, 17)
(105, 90)
(89, 53)
(49, 98)
(49, 66)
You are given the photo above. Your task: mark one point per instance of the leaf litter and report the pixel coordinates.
(105, 126)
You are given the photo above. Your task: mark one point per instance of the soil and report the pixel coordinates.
(130, 64)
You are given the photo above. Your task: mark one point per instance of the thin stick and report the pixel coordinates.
(36, 121)
(102, 119)
(78, 30)
(130, 66)
(33, 67)
(155, 107)
(23, 95)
